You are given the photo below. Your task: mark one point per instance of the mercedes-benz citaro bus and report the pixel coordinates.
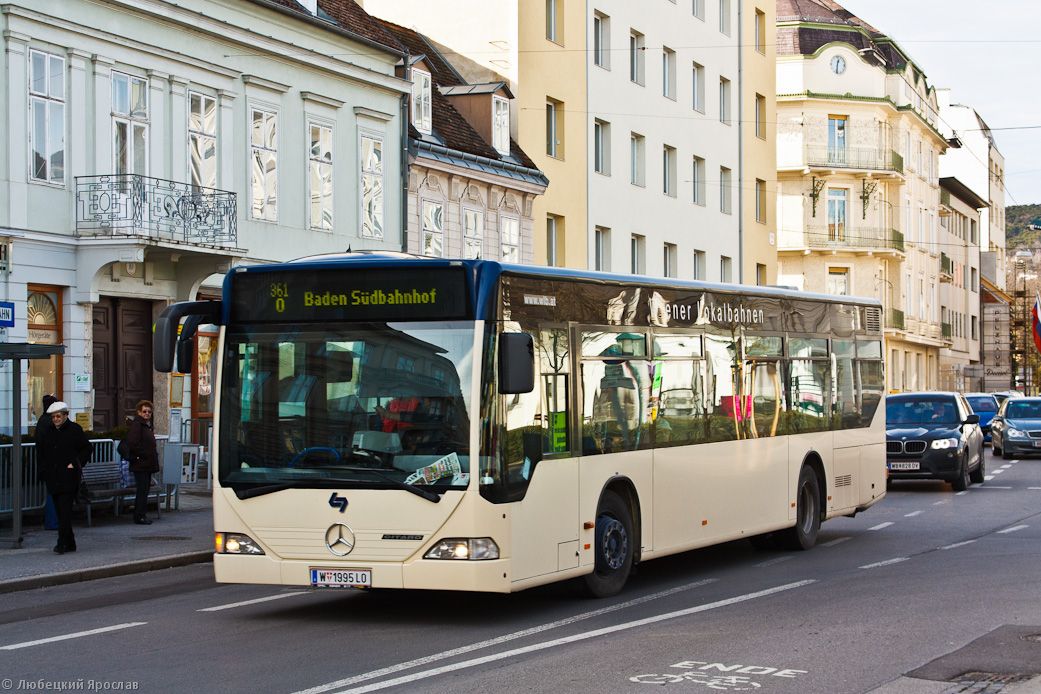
(389, 421)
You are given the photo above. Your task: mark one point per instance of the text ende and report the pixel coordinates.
(742, 669)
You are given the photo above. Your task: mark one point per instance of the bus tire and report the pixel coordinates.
(807, 513)
(613, 549)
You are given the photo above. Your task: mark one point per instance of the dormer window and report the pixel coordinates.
(501, 125)
(421, 100)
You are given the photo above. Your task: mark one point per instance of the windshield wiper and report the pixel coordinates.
(330, 482)
(429, 496)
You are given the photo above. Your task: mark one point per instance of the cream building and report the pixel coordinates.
(636, 113)
(858, 178)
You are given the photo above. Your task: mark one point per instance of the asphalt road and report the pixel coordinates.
(929, 582)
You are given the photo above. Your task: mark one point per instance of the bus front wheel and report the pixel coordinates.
(807, 513)
(614, 547)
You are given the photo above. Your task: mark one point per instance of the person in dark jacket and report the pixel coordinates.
(144, 458)
(50, 516)
(62, 454)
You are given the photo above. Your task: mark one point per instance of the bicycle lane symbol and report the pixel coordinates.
(733, 683)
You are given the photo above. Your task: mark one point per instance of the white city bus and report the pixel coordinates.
(390, 421)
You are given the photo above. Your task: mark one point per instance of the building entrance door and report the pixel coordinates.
(122, 359)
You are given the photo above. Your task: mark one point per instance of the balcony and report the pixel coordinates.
(823, 156)
(947, 331)
(895, 319)
(946, 268)
(139, 206)
(853, 239)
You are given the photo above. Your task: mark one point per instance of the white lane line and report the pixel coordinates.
(881, 525)
(1033, 487)
(958, 544)
(836, 541)
(1005, 467)
(993, 486)
(887, 562)
(78, 634)
(988, 478)
(997, 472)
(438, 657)
(251, 602)
(556, 642)
(1013, 529)
(778, 560)
(967, 491)
(912, 514)
(942, 502)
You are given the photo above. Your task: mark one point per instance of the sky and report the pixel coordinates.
(989, 55)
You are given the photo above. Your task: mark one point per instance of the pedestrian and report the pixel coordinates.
(63, 452)
(50, 515)
(144, 458)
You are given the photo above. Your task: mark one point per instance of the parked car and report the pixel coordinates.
(934, 435)
(1004, 395)
(1017, 427)
(986, 406)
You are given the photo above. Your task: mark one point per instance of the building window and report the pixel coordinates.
(760, 31)
(555, 21)
(47, 117)
(724, 100)
(760, 201)
(668, 166)
(501, 125)
(473, 234)
(724, 16)
(372, 187)
(555, 128)
(553, 229)
(699, 265)
(602, 147)
(668, 73)
(669, 260)
(837, 201)
(602, 41)
(320, 161)
(724, 190)
(724, 269)
(202, 140)
(433, 229)
(698, 83)
(636, 57)
(837, 139)
(975, 328)
(698, 179)
(509, 235)
(974, 286)
(838, 281)
(636, 155)
(698, 8)
(44, 323)
(421, 100)
(130, 124)
(760, 274)
(760, 116)
(636, 245)
(264, 144)
(601, 249)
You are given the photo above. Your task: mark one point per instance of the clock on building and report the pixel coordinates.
(838, 65)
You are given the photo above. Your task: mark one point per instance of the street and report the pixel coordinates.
(920, 576)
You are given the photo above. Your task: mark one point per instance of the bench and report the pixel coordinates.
(104, 479)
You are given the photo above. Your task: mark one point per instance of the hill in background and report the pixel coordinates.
(1018, 233)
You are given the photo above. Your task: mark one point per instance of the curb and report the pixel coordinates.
(124, 569)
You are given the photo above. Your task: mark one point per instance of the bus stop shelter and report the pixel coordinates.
(16, 352)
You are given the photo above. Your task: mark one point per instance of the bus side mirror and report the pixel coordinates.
(185, 356)
(516, 363)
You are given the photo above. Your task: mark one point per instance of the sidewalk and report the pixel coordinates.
(114, 545)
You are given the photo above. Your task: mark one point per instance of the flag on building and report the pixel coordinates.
(1035, 324)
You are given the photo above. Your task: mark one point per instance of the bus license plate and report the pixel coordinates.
(903, 466)
(341, 578)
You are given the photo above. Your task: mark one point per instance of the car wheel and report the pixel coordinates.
(1005, 455)
(807, 513)
(978, 474)
(614, 548)
(961, 483)
(994, 445)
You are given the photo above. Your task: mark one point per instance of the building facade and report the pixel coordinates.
(139, 164)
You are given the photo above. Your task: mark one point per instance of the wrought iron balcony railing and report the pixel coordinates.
(895, 319)
(946, 264)
(132, 205)
(853, 238)
(870, 158)
(947, 331)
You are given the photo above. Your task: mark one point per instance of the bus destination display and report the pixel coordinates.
(365, 294)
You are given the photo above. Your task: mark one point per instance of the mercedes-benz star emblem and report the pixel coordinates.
(339, 539)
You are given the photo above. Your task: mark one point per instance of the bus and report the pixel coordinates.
(389, 421)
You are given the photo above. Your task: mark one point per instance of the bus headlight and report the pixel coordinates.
(945, 443)
(236, 543)
(475, 548)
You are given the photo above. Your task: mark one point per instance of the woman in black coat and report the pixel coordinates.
(144, 458)
(62, 453)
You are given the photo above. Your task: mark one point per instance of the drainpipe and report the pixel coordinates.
(404, 113)
(740, 149)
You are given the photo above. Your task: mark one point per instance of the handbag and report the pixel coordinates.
(123, 449)
(83, 494)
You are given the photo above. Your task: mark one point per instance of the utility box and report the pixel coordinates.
(180, 463)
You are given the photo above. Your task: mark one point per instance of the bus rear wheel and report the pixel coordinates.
(807, 513)
(614, 547)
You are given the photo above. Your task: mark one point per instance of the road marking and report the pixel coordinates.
(912, 514)
(838, 541)
(887, 562)
(998, 472)
(967, 491)
(537, 646)
(1013, 529)
(881, 525)
(251, 602)
(1004, 467)
(988, 478)
(77, 635)
(993, 486)
(942, 502)
(1033, 487)
(958, 544)
(778, 560)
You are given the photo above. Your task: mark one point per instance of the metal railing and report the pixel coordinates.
(132, 205)
(872, 158)
(895, 319)
(34, 492)
(946, 264)
(845, 237)
(947, 331)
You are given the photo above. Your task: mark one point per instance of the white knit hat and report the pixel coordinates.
(58, 407)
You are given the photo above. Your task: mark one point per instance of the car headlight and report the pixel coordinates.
(1016, 433)
(945, 443)
(236, 543)
(474, 548)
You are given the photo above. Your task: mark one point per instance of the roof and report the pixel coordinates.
(487, 88)
(344, 15)
(963, 192)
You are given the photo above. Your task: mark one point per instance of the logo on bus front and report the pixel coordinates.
(339, 539)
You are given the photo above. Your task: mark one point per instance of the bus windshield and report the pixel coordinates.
(373, 405)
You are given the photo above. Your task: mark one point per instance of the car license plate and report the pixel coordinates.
(903, 466)
(1037, 444)
(341, 578)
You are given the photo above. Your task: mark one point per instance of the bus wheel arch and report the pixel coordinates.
(616, 542)
(810, 492)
